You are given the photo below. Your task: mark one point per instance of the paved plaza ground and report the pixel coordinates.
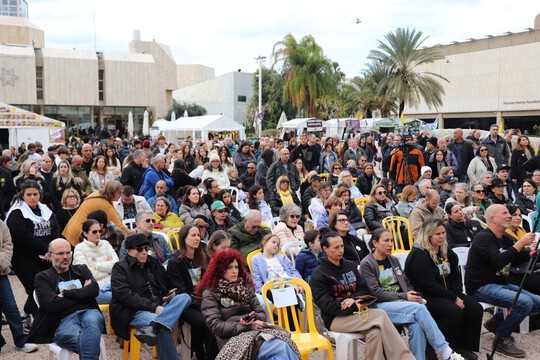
(529, 342)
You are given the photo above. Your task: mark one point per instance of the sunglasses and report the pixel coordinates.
(479, 191)
(284, 182)
(150, 221)
(95, 232)
(343, 220)
(483, 150)
(140, 249)
(294, 216)
(381, 192)
(221, 211)
(337, 168)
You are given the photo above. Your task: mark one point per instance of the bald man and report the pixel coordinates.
(88, 160)
(464, 152)
(424, 209)
(161, 191)
(68, 312)
(78, 171)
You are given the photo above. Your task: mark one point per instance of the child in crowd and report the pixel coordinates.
(308, 258)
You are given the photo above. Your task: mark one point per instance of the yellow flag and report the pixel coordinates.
(501, 128)
(402, 118)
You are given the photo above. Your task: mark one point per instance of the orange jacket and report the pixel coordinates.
(397, 167)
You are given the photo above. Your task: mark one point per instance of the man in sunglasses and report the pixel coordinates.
(247, 234)
(158, 246)
(142, 299)
(221, 220)
(68, 313)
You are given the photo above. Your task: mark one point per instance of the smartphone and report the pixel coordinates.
(418, 293)
(249, 317)
(171, 291)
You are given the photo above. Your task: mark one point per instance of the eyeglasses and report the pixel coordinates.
(221, 211)
(251, 167)
(95, 232)
(342, 220)
(71, 196)
(255, 226)
(479, 191)
(381, 192)
(294, 216)
(150, 221)
(284, 182)
(63, 253)
(140, 249)
(483, 150)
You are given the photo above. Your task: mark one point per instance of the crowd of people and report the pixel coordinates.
(90, 223)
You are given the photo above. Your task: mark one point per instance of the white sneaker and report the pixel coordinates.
(455, 356)
(28, 348)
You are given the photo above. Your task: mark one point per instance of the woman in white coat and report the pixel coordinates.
(215, 171)
(481, 164)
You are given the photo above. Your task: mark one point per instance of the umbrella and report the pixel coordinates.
(186, 113)
(282, 119)
(145, 123)
(173, 116)
(130, 128)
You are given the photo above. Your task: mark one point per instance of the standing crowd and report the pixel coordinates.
(160, 233)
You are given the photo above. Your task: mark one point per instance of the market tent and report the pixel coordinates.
(18, 126)
(203, 124)
(299, 123)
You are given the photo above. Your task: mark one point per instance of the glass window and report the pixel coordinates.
(242, 98)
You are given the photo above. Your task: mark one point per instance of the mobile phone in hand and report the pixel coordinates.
(249, 317)
(171, 292)
(418, 293)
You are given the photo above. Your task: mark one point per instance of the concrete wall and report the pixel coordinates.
(18, 71)
(17, 30)
(188, 75)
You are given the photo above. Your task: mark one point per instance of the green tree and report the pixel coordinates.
(403, 53)
(309, 74)
(192, 109)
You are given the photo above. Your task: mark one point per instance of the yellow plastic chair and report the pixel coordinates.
(250, 256)
(361, 203)
(173, 238)
(308, 340)
(324, 176)
(393, 224)
(103, 308)
(132, 347)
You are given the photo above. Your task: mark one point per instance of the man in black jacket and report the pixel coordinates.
(68, 313)
(283, 166)
(464, 152)
(132, 174)
(486, 278)
(305, 152)
(310, 192)
(141, 299)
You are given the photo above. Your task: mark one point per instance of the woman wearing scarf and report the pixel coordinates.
(228, 296)
(32, 226)
(283, 195)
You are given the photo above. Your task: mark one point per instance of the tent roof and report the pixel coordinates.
(207, 122)
(297, 123)
(14, 117)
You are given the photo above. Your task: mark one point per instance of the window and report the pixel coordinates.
(39, 82)
(101, 74)
(242, 98)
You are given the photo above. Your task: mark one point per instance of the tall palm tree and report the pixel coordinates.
(308, 73)
(403, 54)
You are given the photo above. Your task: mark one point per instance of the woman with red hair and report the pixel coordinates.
(233, 312)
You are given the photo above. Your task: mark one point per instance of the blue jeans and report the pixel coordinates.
(422, 328)
(9, 307)
(80, 332)
(104, 297)
(503, 296)
(276, 349)
(166, 345)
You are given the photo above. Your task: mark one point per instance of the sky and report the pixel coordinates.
(229, 35)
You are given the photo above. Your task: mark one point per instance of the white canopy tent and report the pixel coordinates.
(299, 123)
(185, 126)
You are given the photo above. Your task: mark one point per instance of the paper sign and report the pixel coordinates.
(284, 297)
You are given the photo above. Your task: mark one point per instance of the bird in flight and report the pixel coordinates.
(358, 21)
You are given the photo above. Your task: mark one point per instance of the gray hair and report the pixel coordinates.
(140, 214)
(138, 153)
(289, 209)
(251, 214)
(158, 157)
(424, 182)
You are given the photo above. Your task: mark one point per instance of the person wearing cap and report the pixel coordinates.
(460, 232)
(464, 153)
(247, 235)
(497, 146)
(497, 193)
(425, 209)
(214, 170)
(153, 174)
(406, 171)
(221, 220)
(427, 174)
(447, 187)
(310, 192)
(142, 299)
(503, 175)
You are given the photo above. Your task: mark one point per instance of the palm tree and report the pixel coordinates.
(309, 75)
(403, 55)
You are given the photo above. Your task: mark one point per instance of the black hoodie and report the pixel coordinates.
(331, 284)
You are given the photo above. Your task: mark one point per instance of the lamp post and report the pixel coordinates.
(260, 60)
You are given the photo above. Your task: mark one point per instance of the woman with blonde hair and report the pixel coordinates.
(71, 200)
(432, 267)
(282, 195)
(316, 207)
(378, 207)
(408, 200)
(345, 177)
(99, 175)
(62, 180)
(30, 171)
(462, 196)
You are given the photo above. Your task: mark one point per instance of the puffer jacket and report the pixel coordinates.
(373, 216)
(223, 315)
(420, 214)
(100, 259)
(220, 176)
(188, 212)
(286, 234)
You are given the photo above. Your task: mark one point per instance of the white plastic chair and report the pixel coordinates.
(309, 225)
(129, 223)
(343, 340)
(235, 194)
(527, 219)
(292, 249)
(274, 222)
(65, 354)
(401, 256)
(186, 352)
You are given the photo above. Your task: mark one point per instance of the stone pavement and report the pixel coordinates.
(529, 342)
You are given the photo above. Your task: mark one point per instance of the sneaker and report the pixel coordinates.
(28, 348)
(508, 348)
(467, 355)
(455, 356)
(4, 321)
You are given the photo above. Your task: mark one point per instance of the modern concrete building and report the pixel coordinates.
(227, 94)
(18, 8)
(494, 79)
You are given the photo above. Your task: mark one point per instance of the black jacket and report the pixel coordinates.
(276, 203)
(7, 191)
(178, 275)
(364, 183)
(307, 195)
(486, 260)
(331, 284)
(277, 169)
(373, 217)
(129, 293)
(462, 234)
(182, 179)
(53, 308)
(355, 249)
(309, 156)
(132, 175)
(517, 169)
(467, 154)
(525, 204)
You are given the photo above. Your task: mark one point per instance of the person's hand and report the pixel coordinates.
(411, 296)
(87, 282)
(247, 323)
(460, 303)
(514, 181)
(258, 324)
(239, 186)
(526, 240)
(347, 303)
(169, 296)
(476, 208)
(159, 309)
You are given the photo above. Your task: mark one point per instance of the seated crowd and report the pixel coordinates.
(163, 234)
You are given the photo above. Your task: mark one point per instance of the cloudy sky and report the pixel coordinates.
(228, 35)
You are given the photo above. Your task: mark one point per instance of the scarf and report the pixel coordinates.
(286, 197)
(236, 290)
(27, 213)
